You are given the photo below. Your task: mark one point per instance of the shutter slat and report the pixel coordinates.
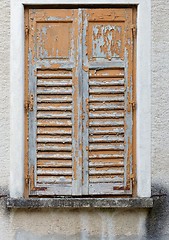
(54, 131)
(54, 114)
(105, 139)
(54, 156)
(54, 99)
(106, 114)
(107, 98)
(106, 171)
(54, 123)
(107, 146)
(106, 82)
(58, 74)
(104, 122)
(106, 163)
(54, 148)
(106, 90)
(54, 83)
(106, 130)
(107, 179)
(53, 139)
(107, 106)
(54, 180)
(54, 90)
(54, 107)
(54, 163)
(54, 171)
(103, 155)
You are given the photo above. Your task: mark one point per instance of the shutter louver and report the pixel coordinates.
(54, 129)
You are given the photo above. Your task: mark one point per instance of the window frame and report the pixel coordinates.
(143, 89)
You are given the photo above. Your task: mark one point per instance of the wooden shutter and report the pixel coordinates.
(54, 161)
(78, 102)
(107, 86)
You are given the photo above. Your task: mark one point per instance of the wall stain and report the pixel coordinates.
(158, 216)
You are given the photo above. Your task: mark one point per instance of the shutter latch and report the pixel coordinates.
(29, 103)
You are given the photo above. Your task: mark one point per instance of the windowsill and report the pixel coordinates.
(65, 202)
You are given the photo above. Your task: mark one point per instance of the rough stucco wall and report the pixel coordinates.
(159, 227)
(4, 91)
(95, 224)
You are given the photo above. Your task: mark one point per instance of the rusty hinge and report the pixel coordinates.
(27, 179)
(29, 103)
(26, 30)
(133, 178)
(134, 30)
(133, 104)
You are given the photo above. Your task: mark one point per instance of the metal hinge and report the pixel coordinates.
(29, 103)
(134, 30)
(27, 179)
(133, 103)
(133, 178)
(26, 30)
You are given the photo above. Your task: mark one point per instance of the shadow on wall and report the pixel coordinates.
(158, 217)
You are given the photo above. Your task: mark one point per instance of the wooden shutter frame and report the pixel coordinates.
(27, 97)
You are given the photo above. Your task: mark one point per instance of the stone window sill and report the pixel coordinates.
(65, 202)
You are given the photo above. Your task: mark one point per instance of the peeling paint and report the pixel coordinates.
(81, 95)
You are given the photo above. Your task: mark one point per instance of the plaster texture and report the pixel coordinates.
(85, 224)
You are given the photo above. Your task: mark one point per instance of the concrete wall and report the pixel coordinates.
(95, 224)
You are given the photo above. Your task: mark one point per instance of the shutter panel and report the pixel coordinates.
(107, 85)
(55, 120)
(79, 102)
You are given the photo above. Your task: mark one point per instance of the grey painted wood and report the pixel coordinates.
(85, 109)
(77, 117)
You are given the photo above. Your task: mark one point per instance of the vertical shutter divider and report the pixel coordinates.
(85, 108)
(77, 116)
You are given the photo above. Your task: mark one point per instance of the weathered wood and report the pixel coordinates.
(100, 130)
(80, 121)
(105, 138)
(107, 82)
(107, 98)
(106, 122)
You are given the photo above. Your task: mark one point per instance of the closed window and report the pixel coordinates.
(79, 102)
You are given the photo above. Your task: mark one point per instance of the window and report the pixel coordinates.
(79, 101)
(141, 164)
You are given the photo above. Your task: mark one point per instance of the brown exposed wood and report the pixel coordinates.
(26, 161)
(134, 100)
